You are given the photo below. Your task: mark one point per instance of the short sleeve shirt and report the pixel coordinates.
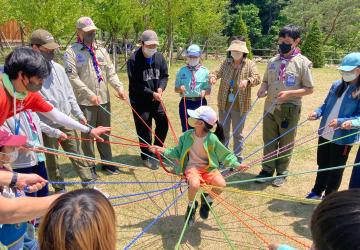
(33, 102)
(184, 77)
(297, 75)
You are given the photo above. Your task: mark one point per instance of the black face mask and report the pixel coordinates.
(89, 38)
(33, 87)
(285, 48)
(49, 56)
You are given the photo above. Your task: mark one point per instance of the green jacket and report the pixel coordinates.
(216, 151)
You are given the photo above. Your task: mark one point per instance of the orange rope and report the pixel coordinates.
(170, 125)
(266, 225)
(252, 229)
(94, 160)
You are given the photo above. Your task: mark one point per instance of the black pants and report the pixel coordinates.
(148, 112)
(330, 155)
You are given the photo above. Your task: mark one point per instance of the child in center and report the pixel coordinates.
(200, 151)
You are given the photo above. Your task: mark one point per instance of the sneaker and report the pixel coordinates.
(313, 196)
(151, 163)
(261, 175)
(94, 175)
(192, 215)
(279, 181)
(204, 208)
(111, 169)
(103, 193)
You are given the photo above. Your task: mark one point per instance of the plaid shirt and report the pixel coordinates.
(226, 72)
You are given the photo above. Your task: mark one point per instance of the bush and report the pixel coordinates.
(313, 46)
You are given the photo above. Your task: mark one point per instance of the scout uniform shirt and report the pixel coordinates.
(184, 77)
(297, 76)
(81, 72)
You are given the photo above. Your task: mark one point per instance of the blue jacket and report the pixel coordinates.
(349, 110)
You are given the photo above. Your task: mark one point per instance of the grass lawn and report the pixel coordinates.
(287, 216)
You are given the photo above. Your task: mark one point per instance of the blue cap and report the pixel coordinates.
(350, 62)
(194, 50)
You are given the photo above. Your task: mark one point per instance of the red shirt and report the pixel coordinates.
(33, 101)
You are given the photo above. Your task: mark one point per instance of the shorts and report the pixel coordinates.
(201, 174)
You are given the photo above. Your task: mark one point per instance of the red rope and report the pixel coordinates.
(136, 144)
(170, 125)
(185, 112)
(142, 120)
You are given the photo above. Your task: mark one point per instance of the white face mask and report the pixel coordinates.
(149, 52)
(236, 55)
(348, 76)
(193, 61)
(9, 157)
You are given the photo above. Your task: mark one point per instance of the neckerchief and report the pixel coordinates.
(10, 88)
(193, 70)
(94, 60)
(284, 61)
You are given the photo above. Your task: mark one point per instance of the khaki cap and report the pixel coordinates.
(85, 24)
(149, 37)
(43, 38)
(238, 45)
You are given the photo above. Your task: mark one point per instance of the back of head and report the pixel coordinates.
(335, 223)
(79, 220)
(28, 61)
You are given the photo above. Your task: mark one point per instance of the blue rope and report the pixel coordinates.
(134, 133)
(142, 199)
(142, 193)
(232, 104)
(242, 121)
(109, 182)
(257, 124)
(153, 222)
(275, 139)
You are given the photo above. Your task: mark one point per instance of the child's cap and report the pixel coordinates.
(205, 113)
(7, 139)
(194, 50)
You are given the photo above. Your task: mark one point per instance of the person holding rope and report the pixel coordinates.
(192, 83)
(89, 68)
(286, 80)
(24, 72)
(200, 151)
(58, 91)
(341, 107)
(148, 76)
(238, 75)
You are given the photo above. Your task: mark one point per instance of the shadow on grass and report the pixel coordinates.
(296, 210)
(250, 186)
(169, 229)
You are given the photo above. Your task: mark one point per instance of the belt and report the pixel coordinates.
(193, 99)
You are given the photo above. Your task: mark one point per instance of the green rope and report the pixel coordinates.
(177, 246)
(218, 222)
(294, 174)
(305, 149)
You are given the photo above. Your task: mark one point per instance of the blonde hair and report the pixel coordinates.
(79, 220)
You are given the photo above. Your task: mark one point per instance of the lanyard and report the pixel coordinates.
(31, 122)
(17, 118)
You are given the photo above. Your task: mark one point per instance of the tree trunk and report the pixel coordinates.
(22, 34)
(333, 25)
(114, 52)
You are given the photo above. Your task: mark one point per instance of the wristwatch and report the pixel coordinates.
(13, 180)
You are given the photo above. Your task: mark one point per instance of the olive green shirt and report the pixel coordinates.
(81, 72)
(297, 76)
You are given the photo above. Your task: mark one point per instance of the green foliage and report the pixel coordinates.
(313, 47)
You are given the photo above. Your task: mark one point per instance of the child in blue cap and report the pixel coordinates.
(192, 83)
(341, 108)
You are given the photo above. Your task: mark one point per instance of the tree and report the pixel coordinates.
(313, 47)
(250, 14)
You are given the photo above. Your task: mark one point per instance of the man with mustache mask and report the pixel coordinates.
(58, 91)
(148, 77)
(90, 69)
(287, 78)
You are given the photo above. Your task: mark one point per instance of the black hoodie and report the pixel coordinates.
(145, 78)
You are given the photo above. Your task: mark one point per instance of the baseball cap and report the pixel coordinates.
(193, 50)
(149, 37)
(205, 113)
(85, 24)
(350, 62)
(43, 38)
(7, 139)
(239, 46)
